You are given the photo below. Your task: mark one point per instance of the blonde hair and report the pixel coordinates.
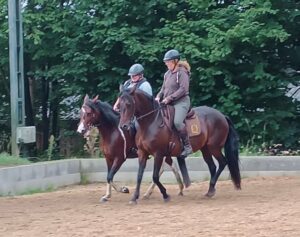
(185, 64)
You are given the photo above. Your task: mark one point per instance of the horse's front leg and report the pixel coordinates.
(152, 185)
(158, 159)
(109, 162)
(112, 170)
(142, 165)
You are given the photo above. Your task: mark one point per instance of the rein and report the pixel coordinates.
(151, 112)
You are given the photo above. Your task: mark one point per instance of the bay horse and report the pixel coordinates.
(114, 143)
(159, 140)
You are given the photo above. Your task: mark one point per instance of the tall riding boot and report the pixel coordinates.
(187, 148)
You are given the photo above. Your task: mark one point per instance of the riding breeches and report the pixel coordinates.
(181, 109)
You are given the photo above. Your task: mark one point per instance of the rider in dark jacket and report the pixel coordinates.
(175, 91)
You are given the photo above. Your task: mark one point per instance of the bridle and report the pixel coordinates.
(134, 118)
(90, 126)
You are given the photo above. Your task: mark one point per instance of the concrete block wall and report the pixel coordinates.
(45, 175)
(39, 176)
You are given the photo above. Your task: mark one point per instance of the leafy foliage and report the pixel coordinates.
(240, 53)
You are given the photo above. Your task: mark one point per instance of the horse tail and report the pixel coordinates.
(232, 154)
(184, 171)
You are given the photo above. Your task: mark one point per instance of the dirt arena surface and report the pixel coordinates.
(264, 207)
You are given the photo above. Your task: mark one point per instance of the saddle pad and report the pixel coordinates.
(193, 126)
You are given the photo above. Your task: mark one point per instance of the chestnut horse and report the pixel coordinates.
(157, 139)
(115, 144)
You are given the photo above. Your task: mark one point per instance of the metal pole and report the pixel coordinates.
(16, 71)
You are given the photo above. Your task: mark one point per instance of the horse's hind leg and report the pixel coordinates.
(212, 170)
(174, 168)
(217, 153)
(157, 165)
(122, 189)
(152, 185)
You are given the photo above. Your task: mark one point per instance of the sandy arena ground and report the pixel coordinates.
(264, 207)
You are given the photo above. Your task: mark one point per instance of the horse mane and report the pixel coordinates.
(139, 91)
(108, 114)
(150, 97)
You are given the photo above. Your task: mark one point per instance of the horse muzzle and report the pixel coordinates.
(81, 129)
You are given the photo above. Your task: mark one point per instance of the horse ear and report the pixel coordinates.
(86, 98)
(87, 109)
(121, 87)
(95, 98)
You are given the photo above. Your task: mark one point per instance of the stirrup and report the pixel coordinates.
(186, 151)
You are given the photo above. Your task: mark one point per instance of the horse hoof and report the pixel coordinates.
(167, 199)
(180, 194)
(146, 197)
(210, 194)
(188, 184)
(103, 199)
(132, 202)
(124, 190)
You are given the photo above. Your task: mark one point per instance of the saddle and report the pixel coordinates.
(191, 121)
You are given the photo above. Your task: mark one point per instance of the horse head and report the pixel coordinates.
(136, 105)
(127, 107)
(89, 115)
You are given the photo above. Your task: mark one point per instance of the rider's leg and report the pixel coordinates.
(181, 109)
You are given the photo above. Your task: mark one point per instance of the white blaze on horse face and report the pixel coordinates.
(80, 128)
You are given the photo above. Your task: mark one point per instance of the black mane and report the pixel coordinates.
(108, 115)
(149, 97)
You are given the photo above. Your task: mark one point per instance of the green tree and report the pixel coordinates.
(242, 54)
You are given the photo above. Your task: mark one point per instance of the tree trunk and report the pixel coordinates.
(45, 117)
(54, 108)
(28, 83)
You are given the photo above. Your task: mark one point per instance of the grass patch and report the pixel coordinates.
(38, 190)
(84, 179)
(8, 160)
(31, 191)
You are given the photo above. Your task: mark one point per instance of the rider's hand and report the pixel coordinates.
(116, 108)
(157, 99)
(166, 100)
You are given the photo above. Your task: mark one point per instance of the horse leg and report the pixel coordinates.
(110, 175)
(152, 185)
(212, 170)
(222, 163)
(174, 169)
(157, 164)
(122, 189)
(142, 165)
(184, 172)
(116, 166)
(108, 185)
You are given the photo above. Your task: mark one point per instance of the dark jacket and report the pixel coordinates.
(176, 83)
